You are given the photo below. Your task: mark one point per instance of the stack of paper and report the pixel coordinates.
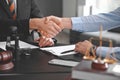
(59, 49)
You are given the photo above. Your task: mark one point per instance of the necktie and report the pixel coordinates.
(12, 8)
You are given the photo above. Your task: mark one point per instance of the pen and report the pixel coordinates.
(67, 51)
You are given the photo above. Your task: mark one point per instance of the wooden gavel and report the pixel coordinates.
(6, 60)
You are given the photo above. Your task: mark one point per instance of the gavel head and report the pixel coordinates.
(6, 60)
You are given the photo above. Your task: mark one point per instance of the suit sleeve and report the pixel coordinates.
(35, 11)
(7, 23)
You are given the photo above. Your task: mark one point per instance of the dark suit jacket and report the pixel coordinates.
(26, 9)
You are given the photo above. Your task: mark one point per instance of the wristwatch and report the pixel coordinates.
(93, 48)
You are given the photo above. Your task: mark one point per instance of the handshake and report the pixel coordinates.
(50, 26)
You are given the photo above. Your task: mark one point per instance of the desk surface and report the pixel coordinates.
(36, 67)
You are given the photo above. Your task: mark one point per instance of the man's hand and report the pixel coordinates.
(50, 26)
(56, 20)
(46, 27)
(61, 22)
(82, 47)
(43, 41)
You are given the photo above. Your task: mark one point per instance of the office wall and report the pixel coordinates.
(107, 5)
(50, 7)
(69, 8)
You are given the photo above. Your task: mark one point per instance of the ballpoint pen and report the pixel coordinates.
(67, 51)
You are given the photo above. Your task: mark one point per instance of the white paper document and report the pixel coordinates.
(59, 49)
(21, 44)
(116, 68)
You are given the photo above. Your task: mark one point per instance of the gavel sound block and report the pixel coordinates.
(99, 65)
(6, 60)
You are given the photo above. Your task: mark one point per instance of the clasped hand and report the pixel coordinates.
(48, 26)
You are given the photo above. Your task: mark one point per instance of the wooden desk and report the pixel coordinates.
(36, 67)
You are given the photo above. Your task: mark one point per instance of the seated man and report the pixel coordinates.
(81, 47)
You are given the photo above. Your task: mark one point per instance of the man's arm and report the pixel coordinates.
(7, 23)
(82, 47)
(112, 51)
(93, 22)
(90, 23)
(35, 10)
